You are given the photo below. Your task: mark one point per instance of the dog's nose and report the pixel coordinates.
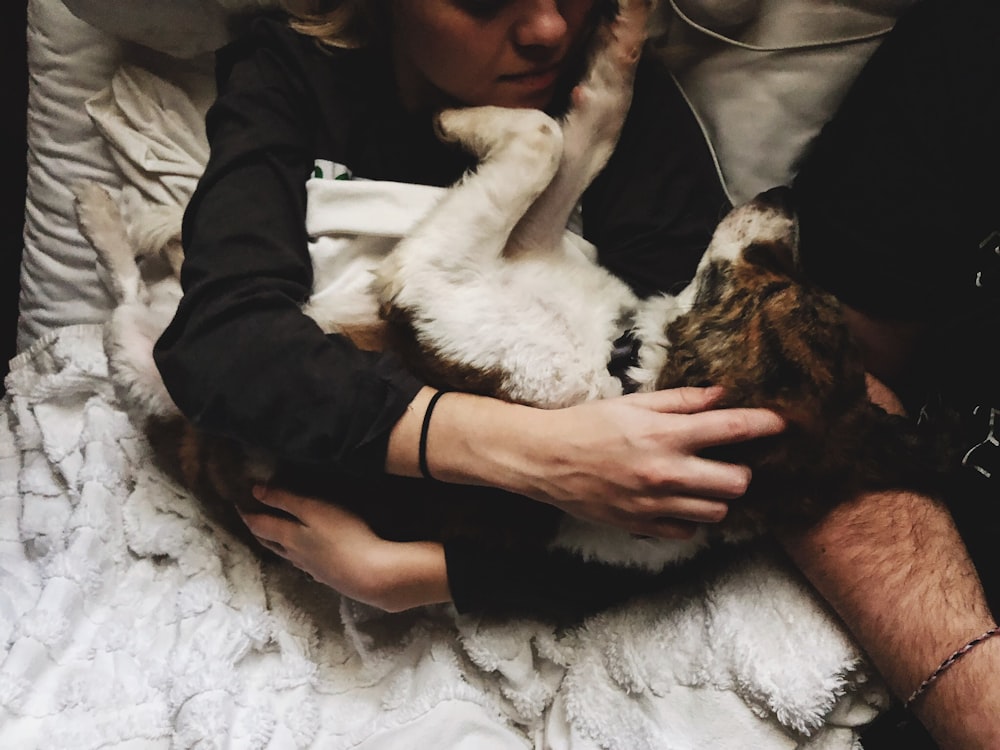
(779, 198)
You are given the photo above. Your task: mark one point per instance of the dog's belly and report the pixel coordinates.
(540, 326)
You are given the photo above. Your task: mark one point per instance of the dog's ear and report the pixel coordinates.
(778, 256)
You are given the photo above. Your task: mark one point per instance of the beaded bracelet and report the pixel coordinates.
(424, 428)
(947, 664)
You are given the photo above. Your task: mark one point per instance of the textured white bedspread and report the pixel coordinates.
(127, 621)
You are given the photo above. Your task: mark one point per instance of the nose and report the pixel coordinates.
(541, 24)
(779, 198)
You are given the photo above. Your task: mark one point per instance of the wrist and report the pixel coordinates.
(967, 689)
(402, 456)
(486, 441)
(471, 439)
(410, 574)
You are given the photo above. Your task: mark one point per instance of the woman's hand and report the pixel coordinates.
(631, 461)
(634, 461)
(339, 549)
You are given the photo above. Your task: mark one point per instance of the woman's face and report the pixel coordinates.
(507, 53)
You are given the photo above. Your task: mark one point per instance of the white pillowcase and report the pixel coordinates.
(181, 28)
(70, 63)
(773, 72)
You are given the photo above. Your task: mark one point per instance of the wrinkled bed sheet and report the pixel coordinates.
(128, 621)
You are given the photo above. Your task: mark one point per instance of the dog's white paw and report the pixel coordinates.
(100, 220)
(482, 131)
(98, 216)
(600, 102)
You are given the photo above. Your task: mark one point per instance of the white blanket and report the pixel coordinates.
(127, 620)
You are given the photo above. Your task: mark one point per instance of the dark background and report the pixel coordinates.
(14, 169)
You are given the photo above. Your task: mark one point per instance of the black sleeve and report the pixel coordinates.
(900, 188)
(239, 358)
(652, 210)
(554, 584)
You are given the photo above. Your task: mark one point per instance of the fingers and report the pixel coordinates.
(687, 400)
(882, 396)
(273, 497)
(708, 426)
(270, 531)
(714, 426)
(727, 426)
(655, 511)
(663, 528)
(273, 531)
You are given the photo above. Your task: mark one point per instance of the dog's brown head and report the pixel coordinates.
(755, 325)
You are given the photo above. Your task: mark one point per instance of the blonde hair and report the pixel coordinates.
(337, 23)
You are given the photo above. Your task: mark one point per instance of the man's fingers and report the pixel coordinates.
(880, 395)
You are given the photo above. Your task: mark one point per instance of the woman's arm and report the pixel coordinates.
(631, 462)
(240, 358)
(339, 549)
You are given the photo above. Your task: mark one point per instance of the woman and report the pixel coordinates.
(240, 358)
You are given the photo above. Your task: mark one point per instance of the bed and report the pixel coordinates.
(128, 620)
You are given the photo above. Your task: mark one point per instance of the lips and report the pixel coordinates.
(539, 78)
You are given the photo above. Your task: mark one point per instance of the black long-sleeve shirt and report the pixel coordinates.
(241, 360)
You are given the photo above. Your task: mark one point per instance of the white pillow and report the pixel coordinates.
(771, 74)
(71, 64)
(181, 28)
(68, 62)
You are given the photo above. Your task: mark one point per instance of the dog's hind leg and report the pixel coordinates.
(101, 224)
(134, 325)
(469, 228)
(600, 103)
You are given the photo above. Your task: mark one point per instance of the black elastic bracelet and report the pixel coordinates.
(422, 448)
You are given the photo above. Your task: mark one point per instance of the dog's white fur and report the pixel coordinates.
(489, 278)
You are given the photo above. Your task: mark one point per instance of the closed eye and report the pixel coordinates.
(481, 9)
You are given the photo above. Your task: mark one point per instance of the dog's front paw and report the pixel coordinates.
(601, 100)
(484, 130)
(619, 43)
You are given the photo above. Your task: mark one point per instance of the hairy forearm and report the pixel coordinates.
(895, 569)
